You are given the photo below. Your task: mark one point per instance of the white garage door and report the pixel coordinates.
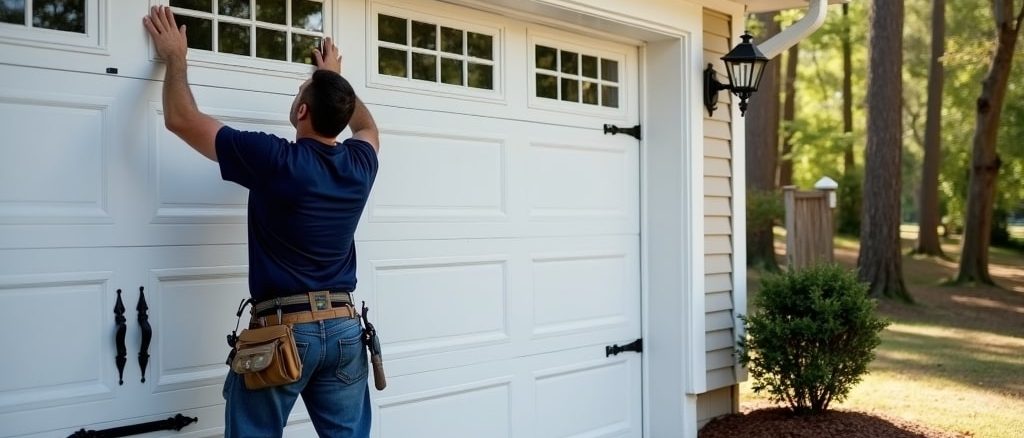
(499, 251)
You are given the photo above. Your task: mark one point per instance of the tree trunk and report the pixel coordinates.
(928, 233)
(788, 115)
(848, 160)
(762, 131)
(984, 159)
(880, 260)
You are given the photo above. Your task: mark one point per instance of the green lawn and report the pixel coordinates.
(955, 359)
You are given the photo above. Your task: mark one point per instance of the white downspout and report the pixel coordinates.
(816, 13)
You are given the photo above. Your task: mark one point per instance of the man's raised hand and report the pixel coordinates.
(169, 39)
(330, 58)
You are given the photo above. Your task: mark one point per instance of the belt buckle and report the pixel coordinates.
(320, 303)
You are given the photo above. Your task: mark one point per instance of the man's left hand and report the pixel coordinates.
(169, 39)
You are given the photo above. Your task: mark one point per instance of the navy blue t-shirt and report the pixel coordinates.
(305, 199)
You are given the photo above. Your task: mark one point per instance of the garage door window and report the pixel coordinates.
(282, 30)
(62, 15)
(573, 76)
(429, 52)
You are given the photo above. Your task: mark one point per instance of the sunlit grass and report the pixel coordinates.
(954, 360)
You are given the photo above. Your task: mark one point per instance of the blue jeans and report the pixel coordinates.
(333, 386)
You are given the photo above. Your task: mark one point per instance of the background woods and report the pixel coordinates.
(826, 91)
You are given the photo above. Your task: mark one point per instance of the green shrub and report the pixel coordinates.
(811, 336)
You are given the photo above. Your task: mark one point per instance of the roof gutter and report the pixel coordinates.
(816, 13)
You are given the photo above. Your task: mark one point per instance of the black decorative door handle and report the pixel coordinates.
(122, 352)
(147, 332)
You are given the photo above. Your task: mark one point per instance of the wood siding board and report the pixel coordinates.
(721, 320)
(718, 340)
(718, 283)
(717, 167)
(720, 359)
(717, 129)
(717, 148)
(717, 264)
(717, 206)
(717, 245)
(715, 225)
(721, 378)
(718, 301)
(716, 25)
(717, 186)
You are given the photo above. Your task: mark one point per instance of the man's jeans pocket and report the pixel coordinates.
(352, 363)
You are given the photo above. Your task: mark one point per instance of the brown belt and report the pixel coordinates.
(308, 316)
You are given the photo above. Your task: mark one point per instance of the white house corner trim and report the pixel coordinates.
(697, 327)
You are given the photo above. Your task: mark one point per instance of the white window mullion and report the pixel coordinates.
(252, 28)
(28, 13)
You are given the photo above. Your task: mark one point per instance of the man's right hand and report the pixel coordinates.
(330, 58)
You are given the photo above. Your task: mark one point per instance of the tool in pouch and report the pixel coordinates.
(264, 356)
(373, 346)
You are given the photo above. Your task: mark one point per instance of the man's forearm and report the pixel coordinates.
(361, 118)
(179, 105)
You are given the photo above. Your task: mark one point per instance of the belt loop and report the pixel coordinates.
(277, 303)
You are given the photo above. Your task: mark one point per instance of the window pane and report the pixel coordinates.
(451, 71)
(479, 45)
(308, 15)
(481, 76)
(271, 44)
(610, 70)
(66, 15)
(233, 8)
(570, 63)
(590, 93)
(232, 38)
(302, 48)
(570, 90)
(610, 96)
(590, 66)
(195, 5)
(546, 58)
(391, 29)
(451, 40)
(271, 11)
(424, 35)
(547, 86)
(424, 67)
(200, 31)
(12, 11)
(391, 62)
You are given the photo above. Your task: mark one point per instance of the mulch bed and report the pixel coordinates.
(774, 422)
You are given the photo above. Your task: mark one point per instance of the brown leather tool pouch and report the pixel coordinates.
(267, 356)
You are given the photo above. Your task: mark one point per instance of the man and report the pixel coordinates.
(305, 199)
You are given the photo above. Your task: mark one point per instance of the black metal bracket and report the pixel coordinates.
(711, 89)
(614, 350)
(612, 129)
(176, 423)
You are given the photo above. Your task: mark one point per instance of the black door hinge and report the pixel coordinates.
(614, 350)
(176, 422)
(612, 129)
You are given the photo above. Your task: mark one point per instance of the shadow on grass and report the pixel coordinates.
(982, 363)
(778, 422)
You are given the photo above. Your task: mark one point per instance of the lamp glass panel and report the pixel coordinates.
(758, 72)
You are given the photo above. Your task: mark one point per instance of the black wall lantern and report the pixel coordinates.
(745, 65)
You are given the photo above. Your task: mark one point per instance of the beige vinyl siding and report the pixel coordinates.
(714, 404)
(718, 243)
